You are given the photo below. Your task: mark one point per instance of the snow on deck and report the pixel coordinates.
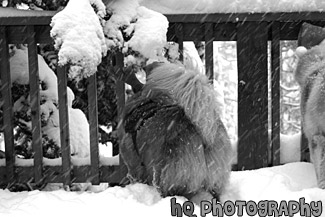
(289, 182)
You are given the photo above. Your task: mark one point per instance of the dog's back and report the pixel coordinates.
(174, 137)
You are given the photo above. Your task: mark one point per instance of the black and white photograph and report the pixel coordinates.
(162, 108)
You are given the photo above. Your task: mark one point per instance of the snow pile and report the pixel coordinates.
(78, 34)
(79, 131)
(288, 182)
(144, 29)
(122, 13)
(2, 142)
(232, 6)
(290, 148)
(191, 58)
(78, 123)
(20, 74)
(134, 28)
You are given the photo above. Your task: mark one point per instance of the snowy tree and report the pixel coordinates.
(87, 34)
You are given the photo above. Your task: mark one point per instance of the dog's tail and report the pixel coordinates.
(193, 92)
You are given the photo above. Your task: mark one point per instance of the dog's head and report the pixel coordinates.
(309, 61)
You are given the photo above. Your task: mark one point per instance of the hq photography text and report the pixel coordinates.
(262, 208)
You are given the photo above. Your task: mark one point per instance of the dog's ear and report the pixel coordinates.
(310, 35)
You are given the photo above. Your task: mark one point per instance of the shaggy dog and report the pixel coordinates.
(174, 138)
(310, 74)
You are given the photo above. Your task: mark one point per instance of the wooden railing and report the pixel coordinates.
(251, 32)
(32, 28)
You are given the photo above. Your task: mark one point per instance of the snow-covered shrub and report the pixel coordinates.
(79, 37)
(87, 34)
(79, 127)
(140, 33)
(84, 31)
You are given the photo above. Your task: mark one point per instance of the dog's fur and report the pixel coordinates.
(310, 74)
(174, 138)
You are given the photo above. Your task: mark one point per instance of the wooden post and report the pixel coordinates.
(275, 91)
(120, 94)
(64, 124)
(7, 106)
(35, 104)
(179, 32)
(309, 36)
(252, 95)
(93, 128)
(209, 51)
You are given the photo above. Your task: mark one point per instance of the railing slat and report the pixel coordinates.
(93, 128)
(275, 91)
(64, 124)
(209, 27)
(246, 16)
(35, 104)
(252, 95)
(7, 106)
(120, 94)
(304, 149)
(179, 31)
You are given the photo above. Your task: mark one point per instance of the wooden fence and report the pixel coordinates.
(32, 28)
(252, 33)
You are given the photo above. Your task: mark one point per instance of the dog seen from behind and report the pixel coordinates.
(173, 137)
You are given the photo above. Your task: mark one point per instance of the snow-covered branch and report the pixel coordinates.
(140, 33)
(83, 34)
(78, 34)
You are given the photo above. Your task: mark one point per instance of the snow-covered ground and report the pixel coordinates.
(288, 182)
